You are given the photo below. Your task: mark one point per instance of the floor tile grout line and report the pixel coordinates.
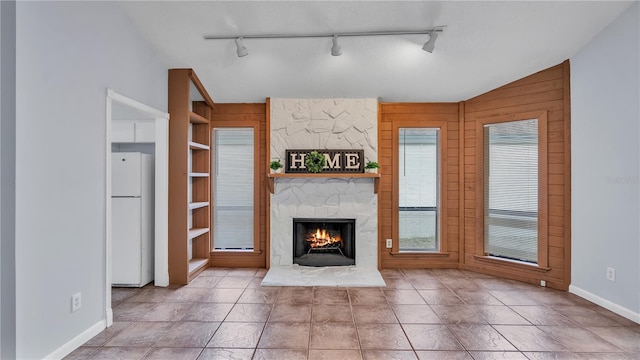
(553, 303)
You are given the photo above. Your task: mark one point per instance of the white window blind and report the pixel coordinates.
(511, 190)
(233, 189)
(418, 189)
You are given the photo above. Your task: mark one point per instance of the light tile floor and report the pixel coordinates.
(421, 314)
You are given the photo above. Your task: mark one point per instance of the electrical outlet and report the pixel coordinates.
(389, 243)
(611, 274)
(76, 302)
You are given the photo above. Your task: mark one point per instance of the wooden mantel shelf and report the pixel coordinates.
(375, 177)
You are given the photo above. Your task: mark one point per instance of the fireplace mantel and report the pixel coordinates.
(271, 177)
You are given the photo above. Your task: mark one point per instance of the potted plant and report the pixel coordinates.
(371, 167)
(276, 166)
(314, 161)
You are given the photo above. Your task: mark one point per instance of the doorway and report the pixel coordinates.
(122, 114)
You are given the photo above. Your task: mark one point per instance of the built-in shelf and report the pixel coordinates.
(197, 119)
(197, 205)
(197, 146)
(195, 232)
(190, 108)
(197, 264)
(271, 177)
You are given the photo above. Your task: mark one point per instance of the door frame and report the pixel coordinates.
(161, 251)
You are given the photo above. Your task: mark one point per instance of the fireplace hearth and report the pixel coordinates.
(324, 242)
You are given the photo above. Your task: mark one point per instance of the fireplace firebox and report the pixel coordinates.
(324, 242)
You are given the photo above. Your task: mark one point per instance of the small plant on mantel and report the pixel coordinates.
(314, 161)
(371, 167)
(275, 165)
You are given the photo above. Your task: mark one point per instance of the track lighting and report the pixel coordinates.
(431, 43)
(241, 50)
(336, 49)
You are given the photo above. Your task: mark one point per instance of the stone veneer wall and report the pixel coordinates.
(324, 124)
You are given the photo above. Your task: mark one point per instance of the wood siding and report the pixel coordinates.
(545, 92)
(232, 115)
(445, 116)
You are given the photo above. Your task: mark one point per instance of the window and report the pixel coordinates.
(418, 192)
(511, 190)
(233, 192)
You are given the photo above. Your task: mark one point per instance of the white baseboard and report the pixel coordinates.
(622, 311)
(109, 317)
(77, 341)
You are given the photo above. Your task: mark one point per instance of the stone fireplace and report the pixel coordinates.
(324, 242)
(323, 124)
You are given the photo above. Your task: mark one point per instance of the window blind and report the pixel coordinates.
(418, 189)
(511, 190)
(233, 189)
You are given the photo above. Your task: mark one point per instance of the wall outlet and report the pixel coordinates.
(611, 274)
(389, 243)
(76, 301)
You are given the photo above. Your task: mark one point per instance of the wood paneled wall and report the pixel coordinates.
(416, 115)
(232, 115)
(544, 92)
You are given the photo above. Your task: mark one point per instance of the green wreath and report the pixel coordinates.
(314, 161)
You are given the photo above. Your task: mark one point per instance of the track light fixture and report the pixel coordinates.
(431, 43)
(241, 50)
(336, 49)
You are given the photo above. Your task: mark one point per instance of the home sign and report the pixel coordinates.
(336, 161)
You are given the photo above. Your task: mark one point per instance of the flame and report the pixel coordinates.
(322, 238)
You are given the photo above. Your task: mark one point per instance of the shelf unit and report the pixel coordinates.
(189, 183)
(272, 176)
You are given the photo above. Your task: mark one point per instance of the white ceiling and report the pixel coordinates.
(485, 45)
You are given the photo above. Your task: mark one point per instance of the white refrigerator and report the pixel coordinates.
(132, 219)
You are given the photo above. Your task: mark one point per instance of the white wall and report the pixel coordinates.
(605, 113)
(7, 179)
(68, 54)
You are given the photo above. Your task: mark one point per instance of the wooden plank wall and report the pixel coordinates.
(417, 113)
(233, 115)
(547, 90)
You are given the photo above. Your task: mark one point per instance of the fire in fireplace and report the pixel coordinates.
(324, 242)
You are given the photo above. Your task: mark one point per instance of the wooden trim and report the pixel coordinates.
(420, 254)
(238, 259)
(178, 106)
(271, 190)
(461, 142)
(197, 118)
(381, 246)
(567, 171)
(201, 89)
(516, 264)
(479, 182)
(543, 218)
(442, 172)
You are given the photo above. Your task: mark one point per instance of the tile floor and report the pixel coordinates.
(421, 314)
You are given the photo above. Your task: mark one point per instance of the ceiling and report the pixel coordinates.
(485, 45)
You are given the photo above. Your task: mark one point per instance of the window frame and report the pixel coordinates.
(256, 184)
(441, 218)
(543, 218)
